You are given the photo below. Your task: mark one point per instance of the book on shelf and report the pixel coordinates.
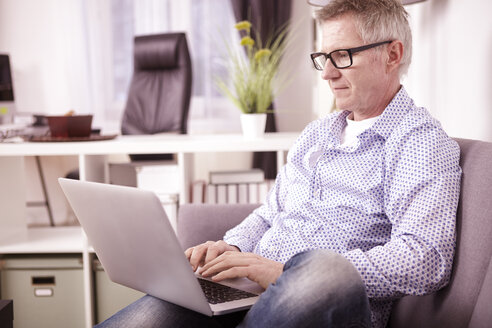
(237, 177)
(211, 194)
(221, 194)
(242, 193)
(198, 192)
(262, 191)
(253, 193)
(232, 193)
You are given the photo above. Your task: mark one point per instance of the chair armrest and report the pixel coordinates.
(198, 223)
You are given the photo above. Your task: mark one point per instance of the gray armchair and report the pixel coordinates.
(465, 302)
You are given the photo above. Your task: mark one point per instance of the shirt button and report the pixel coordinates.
(272, 249)
(316, 193)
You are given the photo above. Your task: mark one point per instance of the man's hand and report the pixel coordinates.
(206, 252)
(249, 265)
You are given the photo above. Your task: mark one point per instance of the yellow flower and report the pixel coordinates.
(244, 25)
(262, 53)
(4, 110)
(247, 41)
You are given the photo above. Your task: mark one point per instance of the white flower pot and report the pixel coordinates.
(253, 125)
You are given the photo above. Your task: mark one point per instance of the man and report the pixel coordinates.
(364, 210)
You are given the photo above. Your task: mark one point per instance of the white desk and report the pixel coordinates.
(16, 238)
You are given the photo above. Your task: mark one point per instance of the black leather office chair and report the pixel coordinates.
(160, 90)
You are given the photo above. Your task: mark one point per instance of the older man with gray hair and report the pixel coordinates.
(364, 210)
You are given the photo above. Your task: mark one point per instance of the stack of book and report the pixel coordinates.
(232, 187)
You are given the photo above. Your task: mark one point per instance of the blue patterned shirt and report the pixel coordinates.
(387, 202)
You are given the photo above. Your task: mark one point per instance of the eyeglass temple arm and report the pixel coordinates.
(368, 46)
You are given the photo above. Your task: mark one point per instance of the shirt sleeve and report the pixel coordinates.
(249, 232)
(247, 235)
(421, 191)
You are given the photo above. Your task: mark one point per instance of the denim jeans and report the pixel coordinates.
(318, 288)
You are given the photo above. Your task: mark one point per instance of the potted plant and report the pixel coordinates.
(252, 81)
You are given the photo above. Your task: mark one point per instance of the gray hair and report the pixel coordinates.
(376, 20)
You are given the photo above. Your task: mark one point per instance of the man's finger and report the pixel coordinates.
(197, 255)
(212, 253)
(231, 273)
(217, 249)
(226, 261)
(188, 252)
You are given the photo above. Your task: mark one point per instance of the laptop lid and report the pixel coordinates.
(137, 246)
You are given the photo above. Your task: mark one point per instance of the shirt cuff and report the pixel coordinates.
(243, 244)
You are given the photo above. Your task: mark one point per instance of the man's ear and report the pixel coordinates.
(395, 54)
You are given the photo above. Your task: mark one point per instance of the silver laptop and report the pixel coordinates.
(137, 247)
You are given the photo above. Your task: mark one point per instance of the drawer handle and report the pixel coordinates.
(47, 280)
(43, 292)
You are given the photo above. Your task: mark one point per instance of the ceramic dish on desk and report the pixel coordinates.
(69, 128)
(92, 137)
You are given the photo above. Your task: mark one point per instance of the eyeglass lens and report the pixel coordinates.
(339, 58)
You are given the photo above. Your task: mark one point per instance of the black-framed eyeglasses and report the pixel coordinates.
(340, 58)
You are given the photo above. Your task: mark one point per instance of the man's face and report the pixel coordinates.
(363, 87)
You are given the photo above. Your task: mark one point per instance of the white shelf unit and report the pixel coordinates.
(43, 240)
(16, 238)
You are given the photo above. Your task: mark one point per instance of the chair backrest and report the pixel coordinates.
(160, 90)
(466, 301)
(198, 223)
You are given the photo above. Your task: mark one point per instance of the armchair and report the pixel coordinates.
(465, 302)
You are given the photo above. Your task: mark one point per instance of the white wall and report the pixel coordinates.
(451, 73)
(294, 105)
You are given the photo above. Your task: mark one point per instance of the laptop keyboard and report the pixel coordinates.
(217, 293)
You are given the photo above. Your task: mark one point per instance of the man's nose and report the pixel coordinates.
(330, 71)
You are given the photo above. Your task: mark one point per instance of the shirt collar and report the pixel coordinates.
(388, 120)
(393, 114)
(336, 125)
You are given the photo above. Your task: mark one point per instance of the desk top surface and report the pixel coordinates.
(158, 143)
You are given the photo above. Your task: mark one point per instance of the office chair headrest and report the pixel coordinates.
(157, 52)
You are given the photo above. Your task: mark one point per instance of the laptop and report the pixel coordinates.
(136, 245)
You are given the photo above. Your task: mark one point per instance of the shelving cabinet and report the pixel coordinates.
(17, 238)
